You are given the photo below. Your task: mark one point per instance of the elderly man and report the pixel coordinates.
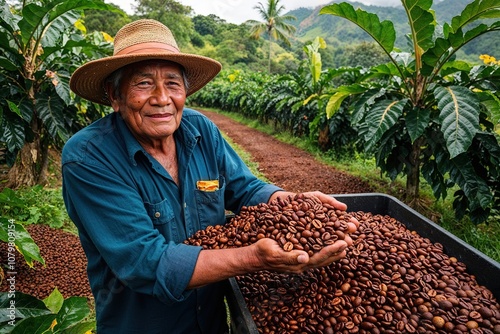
(133, 187)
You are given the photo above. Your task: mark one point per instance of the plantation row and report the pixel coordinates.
(421, 114)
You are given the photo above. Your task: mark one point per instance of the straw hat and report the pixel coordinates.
(141, 40)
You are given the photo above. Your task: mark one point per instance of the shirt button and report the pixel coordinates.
(157, 215)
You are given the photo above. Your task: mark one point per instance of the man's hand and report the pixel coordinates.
(274, 258)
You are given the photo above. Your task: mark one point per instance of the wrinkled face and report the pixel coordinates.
(151, 99)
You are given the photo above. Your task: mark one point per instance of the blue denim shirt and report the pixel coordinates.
(132, 220)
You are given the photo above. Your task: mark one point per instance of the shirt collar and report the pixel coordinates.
(186, 134)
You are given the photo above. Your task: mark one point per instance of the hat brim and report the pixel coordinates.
(88, 80)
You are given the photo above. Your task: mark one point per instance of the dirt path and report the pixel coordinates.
(285, 165)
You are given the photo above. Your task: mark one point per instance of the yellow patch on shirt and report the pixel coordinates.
(211, 185)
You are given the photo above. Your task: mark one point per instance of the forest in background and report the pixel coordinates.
(232, 45)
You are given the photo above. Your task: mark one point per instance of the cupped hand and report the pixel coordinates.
(274, 258)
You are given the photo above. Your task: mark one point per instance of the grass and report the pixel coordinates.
(484, 237)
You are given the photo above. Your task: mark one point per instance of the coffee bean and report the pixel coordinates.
(288, 246)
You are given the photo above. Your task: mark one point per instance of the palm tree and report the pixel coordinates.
(273, 24)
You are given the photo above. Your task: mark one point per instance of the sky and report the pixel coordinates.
(238, 11)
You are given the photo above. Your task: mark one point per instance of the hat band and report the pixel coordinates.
(145, 48)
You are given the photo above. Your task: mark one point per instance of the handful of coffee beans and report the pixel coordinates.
(296, 222)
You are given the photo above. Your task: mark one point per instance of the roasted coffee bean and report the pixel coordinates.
(288, 246)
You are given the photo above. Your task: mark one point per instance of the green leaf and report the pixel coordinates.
(422, 23)
(37, 20)
(73, 311)
(7, 19)
(382, 32)
(492, 103)
(454, 38)
(9, 197)
(26, 246)
(417, 121)
(26, 306)
(315, 66)
(364, 102)
(387, 69)
(473, 33)
(489, 143)
(14, 108)
(27, 109)
(381, 117)
(11, 59)
(33, 316)
(7, 64)
(475, 188)
(13, 232)
(54, 301)
(35, 325)
(441, 49)
(13, 135)
(455, 66)
(434, 178)
(82, 327)
(58, 26)
(459, 117)
(478, 9)
(51, 112)
(61, 83)
(339, 96)
(334, 103)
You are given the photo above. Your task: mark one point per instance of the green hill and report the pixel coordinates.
(339, 32)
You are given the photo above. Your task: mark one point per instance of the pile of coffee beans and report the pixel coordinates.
(391, 281)
(64, 269)
(298, 222)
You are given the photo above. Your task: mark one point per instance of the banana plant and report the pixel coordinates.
(41, 43)
(425, 113)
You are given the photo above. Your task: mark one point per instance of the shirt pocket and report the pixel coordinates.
(211, 206)
(160, 213)
(163, 218)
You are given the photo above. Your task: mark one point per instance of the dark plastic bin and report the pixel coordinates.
(486, 270)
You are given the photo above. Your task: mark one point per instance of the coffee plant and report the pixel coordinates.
(427, 113)
(290, 102)
(41, 43)
(53, 314)
(13, 232)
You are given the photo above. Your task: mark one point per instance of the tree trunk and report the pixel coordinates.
(413, 175)
(270, 54)
(26, 170)
(44, 165)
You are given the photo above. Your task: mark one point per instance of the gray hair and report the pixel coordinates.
(115, 80)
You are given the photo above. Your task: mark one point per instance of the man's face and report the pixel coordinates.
(151, 100)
